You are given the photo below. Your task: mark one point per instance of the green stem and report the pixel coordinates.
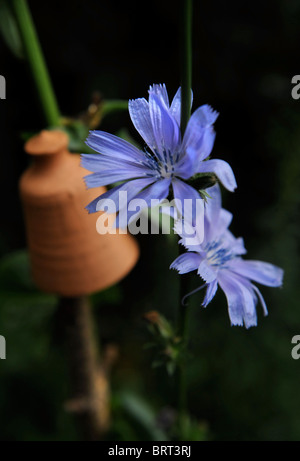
(186, 85)
(186, 63)
(183, 330)
(37, 62)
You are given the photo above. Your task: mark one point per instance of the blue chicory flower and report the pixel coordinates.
(218, 262)
(167, 160)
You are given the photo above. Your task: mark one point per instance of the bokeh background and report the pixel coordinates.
(244, 385)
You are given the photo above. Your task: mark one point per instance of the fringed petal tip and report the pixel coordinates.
(187, 262)
(91, 134)
(210, 114)
(157, 88)
(237, 323)
(86, 163)
(82, 159)
(244, 323)
(89, 210)
(86, 181)
(92, 206)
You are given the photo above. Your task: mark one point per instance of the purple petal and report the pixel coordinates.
(225, 218)
(193, 206)
(201, 145)
(186, 262)
(175, 109)
(113, 146)
(261, 272)
(249, 304)
(191, 238)
(165, 128)
(185, 168)
(240, 299)
(210, 292)
(159, 191)
(207, 143)
(206, 272)
(222, 170)
(100, 162)
(132, 188)
(234, 299)
(236, 244)
(161, 91)
(140, 116)
(111, 176)
(92, 206)
(199, 134)
(217, 228)
(213, 205)
(206, 116)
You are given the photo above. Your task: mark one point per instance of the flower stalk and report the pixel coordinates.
(186, 63)
(37, 63)
(183, 314)
(90, 399)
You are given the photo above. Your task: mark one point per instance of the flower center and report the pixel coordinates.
(166, 164)
(216, 255)
(163, 163)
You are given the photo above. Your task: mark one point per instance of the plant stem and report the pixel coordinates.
(186, 63)
(183, 330)
(88, 380)
(36, 62)
(186, 84)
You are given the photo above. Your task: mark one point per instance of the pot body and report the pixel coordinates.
(68, 256)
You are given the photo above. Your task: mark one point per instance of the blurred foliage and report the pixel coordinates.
(165, 341)
(37, 380)
(9, 29)
(78, 128)
(134, 419)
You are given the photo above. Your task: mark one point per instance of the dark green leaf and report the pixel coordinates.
(9, 30)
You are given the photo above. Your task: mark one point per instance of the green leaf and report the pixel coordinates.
(157, 363)
(171, 367)
(192, 430)
(113, 105)
(10, 31)
(203, 181)
(15, 272)
(16, 285)
(25, 312)
(77, 133)
(205, 195)
(141, 412)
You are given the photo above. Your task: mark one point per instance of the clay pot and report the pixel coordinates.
(68, 256)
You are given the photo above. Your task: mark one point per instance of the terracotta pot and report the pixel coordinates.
(68, 256)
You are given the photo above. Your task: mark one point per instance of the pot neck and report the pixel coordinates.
(48, 149)
(49, 162)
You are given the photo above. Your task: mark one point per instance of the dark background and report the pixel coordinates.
(244, 385)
